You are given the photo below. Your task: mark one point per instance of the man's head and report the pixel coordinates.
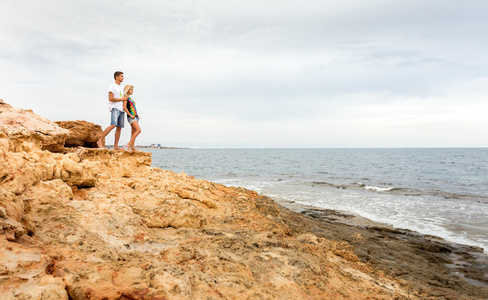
(119, 76)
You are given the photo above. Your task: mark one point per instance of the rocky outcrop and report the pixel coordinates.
(23, 125)
(154, 234)
(100, 224)
(81, 133)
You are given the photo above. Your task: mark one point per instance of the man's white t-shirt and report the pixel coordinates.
(118, 92)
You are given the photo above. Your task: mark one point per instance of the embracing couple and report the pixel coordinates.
(119, 101)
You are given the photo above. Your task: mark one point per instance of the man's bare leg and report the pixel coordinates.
(104, 134)
(118, 130)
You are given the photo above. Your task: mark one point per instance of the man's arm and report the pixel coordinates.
(111, 97)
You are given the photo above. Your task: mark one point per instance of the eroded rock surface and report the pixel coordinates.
(81, 133)
(23, 125)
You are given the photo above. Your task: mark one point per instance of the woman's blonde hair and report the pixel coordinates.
(126, 89)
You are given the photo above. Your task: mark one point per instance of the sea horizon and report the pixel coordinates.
(257, 148)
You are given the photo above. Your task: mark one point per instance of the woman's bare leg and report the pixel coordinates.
(136, 130)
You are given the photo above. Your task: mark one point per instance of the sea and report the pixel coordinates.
(433, 191)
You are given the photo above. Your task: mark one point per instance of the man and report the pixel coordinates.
(116, 100)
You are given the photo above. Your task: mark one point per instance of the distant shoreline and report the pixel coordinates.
(150, 147)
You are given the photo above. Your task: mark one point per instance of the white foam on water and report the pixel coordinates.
(413, 213)
(378, 189)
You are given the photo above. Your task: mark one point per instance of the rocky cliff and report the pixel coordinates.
(100, 224)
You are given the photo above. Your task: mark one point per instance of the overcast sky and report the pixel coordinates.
(267, 73)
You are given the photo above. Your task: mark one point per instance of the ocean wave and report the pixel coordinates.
(378, 189)
(355, 186)
(337, 186)
(402, 191)
(375, 188)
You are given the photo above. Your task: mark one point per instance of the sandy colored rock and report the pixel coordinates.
(81, 133)
(100, 224)
(23, 125)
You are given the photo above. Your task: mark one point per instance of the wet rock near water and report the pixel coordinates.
(427, 261)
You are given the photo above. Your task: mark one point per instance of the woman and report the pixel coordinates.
(132, 116)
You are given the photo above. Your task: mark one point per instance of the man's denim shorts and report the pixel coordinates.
(117, 118)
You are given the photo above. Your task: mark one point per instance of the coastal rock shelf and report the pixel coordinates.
(100, 224)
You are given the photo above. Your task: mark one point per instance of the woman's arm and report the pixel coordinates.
(137, 116)
(127, 111)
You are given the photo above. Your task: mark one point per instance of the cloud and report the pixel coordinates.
(256, 74)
